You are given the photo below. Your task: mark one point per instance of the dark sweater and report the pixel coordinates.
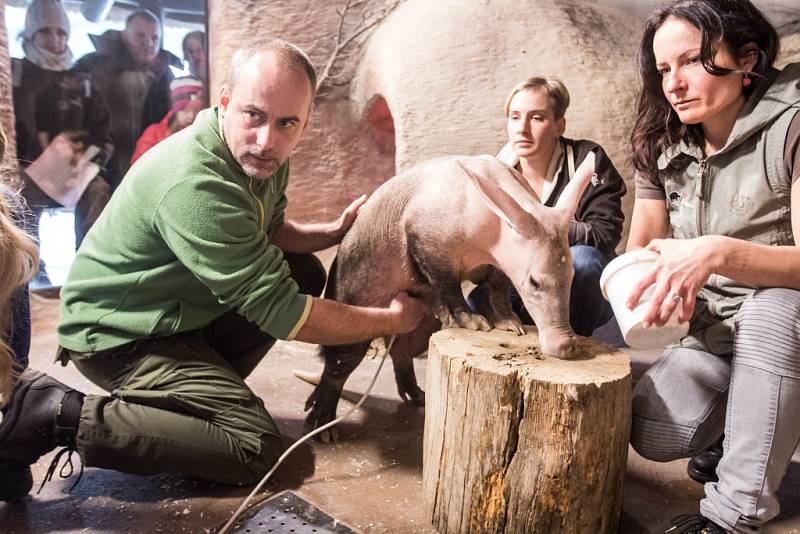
(598, 219)
(41, 104)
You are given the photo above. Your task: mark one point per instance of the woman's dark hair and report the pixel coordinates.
(735, 23)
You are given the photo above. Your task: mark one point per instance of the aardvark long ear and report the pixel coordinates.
(499, 201)
(568, 200)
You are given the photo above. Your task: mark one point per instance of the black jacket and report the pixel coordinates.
(598, 219)
(40, 104)
(107, 66)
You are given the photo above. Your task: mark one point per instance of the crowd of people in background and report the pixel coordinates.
(111, 105)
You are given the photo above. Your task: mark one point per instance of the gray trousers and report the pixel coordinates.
(685, 401)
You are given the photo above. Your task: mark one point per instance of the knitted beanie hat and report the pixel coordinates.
(185, 90)
(43, 14)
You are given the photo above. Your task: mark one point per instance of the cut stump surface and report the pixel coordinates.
(520, 442)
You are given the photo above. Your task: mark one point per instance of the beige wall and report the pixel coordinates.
(446, 91)
(790, 50)
(444, 68)
(339, 158)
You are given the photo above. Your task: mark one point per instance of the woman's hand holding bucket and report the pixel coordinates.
(681, 270)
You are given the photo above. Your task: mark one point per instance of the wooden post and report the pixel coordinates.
(520, 442)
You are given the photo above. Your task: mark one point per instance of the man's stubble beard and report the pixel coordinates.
(258, 173)
(249, 170)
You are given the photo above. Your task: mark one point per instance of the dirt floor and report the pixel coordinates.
(371, 479)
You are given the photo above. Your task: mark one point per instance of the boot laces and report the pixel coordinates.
(63, 434)
(67, 468)
(694, 524)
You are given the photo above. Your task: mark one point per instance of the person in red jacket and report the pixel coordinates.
(187, 100)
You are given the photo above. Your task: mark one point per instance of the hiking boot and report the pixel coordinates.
(15, 482)
(694, 524)
(41, 415)
(702, 467)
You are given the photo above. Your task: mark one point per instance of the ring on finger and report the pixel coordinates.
(675, 297)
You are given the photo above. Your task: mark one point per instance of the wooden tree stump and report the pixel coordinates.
(520, 442)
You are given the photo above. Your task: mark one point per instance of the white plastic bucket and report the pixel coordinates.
(617, 281)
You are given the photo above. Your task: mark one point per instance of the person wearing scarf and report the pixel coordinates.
(45, 36)
(84, 116)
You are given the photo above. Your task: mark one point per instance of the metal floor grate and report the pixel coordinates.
(286, 513)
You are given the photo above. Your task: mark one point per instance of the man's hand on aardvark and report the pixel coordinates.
(408, 310)
(341, 225)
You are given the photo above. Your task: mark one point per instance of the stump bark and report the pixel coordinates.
(520, 442)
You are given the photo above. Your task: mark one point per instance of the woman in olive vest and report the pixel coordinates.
(716, 146)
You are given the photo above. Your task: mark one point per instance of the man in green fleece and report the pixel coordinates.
(182, 286)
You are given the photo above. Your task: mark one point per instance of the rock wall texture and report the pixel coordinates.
(431, 78)
(341, 155)
(790, 50)
(446, 91)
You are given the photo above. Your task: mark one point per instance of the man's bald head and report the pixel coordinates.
(266, 105)
(287, 53)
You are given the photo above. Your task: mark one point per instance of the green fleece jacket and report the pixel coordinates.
(184, 239)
